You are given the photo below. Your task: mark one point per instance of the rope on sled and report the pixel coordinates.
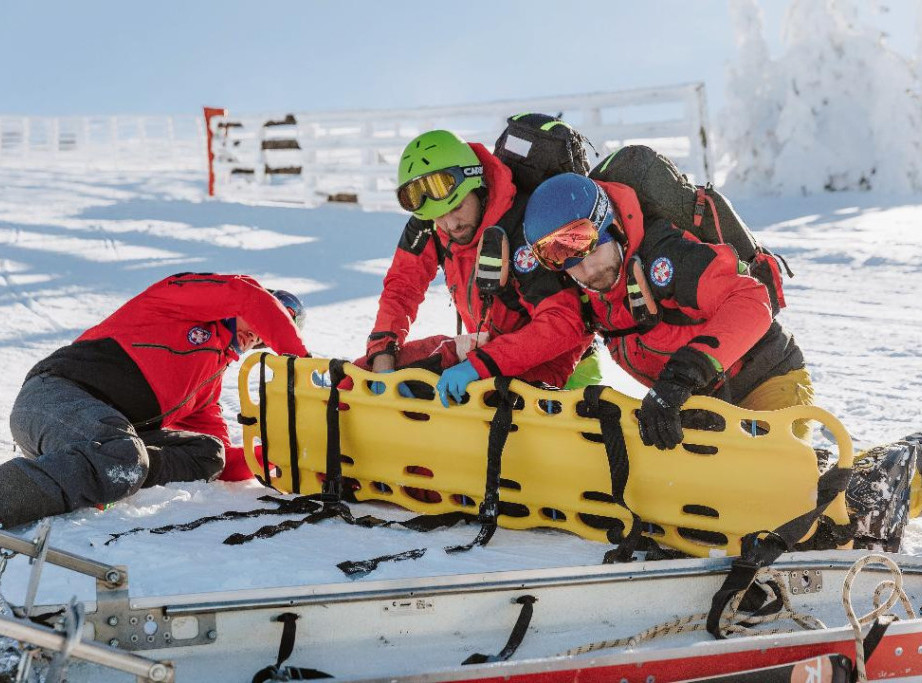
(731, 622)
(894, 585)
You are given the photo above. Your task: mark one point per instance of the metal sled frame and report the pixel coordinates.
(111, 609)
(422, 629)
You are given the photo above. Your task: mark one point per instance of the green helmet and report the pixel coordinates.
(434, 196)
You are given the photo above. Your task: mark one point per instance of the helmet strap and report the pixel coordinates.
(614, 232)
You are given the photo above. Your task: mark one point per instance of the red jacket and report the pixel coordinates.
(719, 310)
(172, 332)
(536, 334)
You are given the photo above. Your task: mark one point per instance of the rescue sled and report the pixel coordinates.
(642, 621)
(570, 460)
(529, 458)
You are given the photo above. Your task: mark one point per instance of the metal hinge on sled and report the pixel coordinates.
(119, 625)
(805, 581)
(114, 622)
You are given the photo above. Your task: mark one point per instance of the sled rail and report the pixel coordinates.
(580, 578)
(109, 574)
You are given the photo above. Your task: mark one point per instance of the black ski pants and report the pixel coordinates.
(79, 451)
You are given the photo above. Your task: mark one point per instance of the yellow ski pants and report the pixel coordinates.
(794, 388)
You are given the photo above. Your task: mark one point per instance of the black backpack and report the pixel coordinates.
(664, 192)
(538, 146)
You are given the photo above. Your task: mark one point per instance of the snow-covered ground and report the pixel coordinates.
(75, 244)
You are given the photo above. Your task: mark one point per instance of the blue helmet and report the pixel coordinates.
(564, 198)
(292, 304)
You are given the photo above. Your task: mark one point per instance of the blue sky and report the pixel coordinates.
(171, 57)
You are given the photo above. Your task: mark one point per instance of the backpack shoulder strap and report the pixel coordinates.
(511, 221)
(702, 197)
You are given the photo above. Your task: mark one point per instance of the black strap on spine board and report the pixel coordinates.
(294, 451)
(762, 548)
(500, 426)
(609, 417)
(301, 505)
(355, 569)
(263, 428)
(332, 490)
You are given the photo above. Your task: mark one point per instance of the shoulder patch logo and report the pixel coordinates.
(661, 271)
(525, 261)
(198, 335)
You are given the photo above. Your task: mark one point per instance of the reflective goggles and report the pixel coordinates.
(437, 185)
(575, 240)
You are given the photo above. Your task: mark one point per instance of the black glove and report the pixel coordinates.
(687, 372)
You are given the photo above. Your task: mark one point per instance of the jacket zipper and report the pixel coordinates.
(622, 342)
(140, 345)
(651, 349)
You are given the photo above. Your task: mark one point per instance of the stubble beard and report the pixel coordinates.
(602, 283)
(466, 235)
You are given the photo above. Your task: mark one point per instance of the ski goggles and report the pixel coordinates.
(437, 185)
(566, 246)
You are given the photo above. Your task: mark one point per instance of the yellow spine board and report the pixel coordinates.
(554, 469)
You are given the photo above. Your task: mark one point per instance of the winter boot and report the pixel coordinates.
(22, 500)
(878, 494)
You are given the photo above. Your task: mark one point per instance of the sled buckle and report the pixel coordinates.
(331, 491)
(488, 512)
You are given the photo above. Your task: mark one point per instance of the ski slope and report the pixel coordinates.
(75, 244)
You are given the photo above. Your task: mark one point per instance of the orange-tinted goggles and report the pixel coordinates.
(567, 245)
(437, 185)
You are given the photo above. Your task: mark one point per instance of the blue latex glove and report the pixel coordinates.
(321, 379)
(402, 389)
(454, 381)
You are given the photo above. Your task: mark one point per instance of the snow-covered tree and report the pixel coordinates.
(837, 111)
(747, 123)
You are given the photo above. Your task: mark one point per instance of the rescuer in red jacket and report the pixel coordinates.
(133, 401)
(681, 316)
(532, 329)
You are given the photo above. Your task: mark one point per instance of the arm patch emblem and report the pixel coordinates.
(662, 272)
(525, 261)
(198, 335)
